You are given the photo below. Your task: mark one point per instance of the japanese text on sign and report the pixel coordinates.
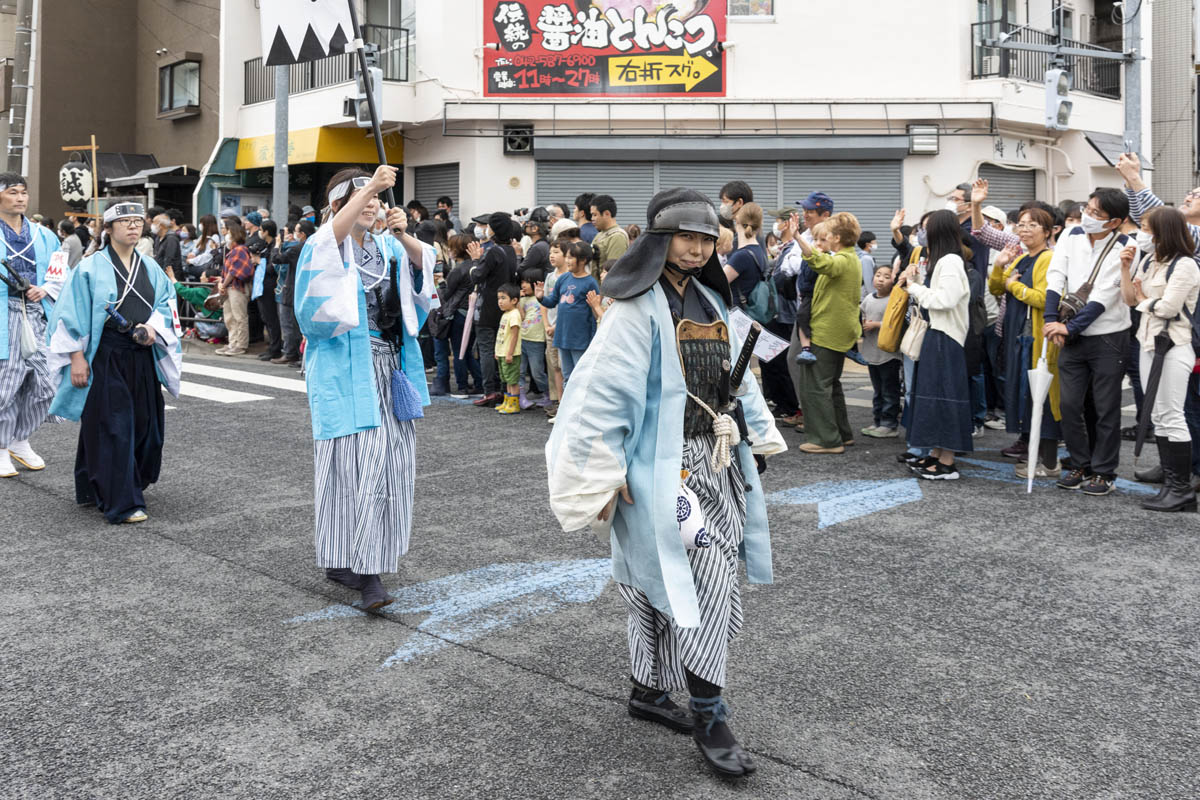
(612, 47)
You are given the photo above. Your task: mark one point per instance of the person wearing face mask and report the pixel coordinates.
(636, 441)
(1164, 287)
(1086, 318)
(361, 300)
(1142, 199)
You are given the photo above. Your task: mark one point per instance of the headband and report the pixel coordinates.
(343, 188)
(124, 211)
(18, 182)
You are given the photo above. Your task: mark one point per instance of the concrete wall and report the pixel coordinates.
(1173, 78)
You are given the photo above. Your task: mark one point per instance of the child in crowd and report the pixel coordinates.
(884, 367)
(558, 260)
(576, 324)
(599, 303)
(507, 339)
(533, 339)
(806, 284)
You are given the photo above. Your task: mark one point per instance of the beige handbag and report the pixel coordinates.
(914, 337)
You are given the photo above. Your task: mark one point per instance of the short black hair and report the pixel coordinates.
(307, 227)
(738, 190)
(965, 188)
(581, 251)
(532, 276)
(444, 200)
(443, 215)
(604, 202)
(154, 211)
(1112, 202)
(510, 289)
(175, 215)
(269, 226)
(584, 201)
(865, 238)
(561, 207)
(13, 179)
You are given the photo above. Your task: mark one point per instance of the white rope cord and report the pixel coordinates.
(726, 431)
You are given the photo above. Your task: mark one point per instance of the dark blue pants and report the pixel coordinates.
(885, 379)
(1132, 370)
(1191, 412)
(121, 428)
(993, 369)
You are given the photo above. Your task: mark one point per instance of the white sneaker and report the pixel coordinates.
(25, 456)
(1039, 471)
(7, 470)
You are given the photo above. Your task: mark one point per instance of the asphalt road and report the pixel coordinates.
(953, 640)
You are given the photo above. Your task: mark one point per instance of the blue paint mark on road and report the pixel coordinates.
(470, 605)
(447, 400)
(1005, 472)
(839, 501)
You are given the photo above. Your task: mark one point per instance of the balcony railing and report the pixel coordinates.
(394, 52)
(1098, 76)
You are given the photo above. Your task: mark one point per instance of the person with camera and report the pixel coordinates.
(1087, 319)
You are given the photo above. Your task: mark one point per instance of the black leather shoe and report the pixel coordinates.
(346, 578)
(374, 596)
(489, 400)
(715, 740)
(654, 706)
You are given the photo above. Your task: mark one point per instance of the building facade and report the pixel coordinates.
(1174, 75)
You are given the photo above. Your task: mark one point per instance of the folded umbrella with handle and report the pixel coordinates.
(1039, 387)
(1162, 343)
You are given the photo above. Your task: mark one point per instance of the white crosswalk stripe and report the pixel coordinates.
(220, 395)
(244, 376)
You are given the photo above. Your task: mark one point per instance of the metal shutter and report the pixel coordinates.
(870, 190)
(433, 182)
(631, 184)
(1009, 188)
(709, 177)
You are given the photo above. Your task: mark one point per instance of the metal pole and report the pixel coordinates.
(279, 186)
(1133, 80)
(366, 73)
(23, 42)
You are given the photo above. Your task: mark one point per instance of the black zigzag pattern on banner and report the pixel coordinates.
(311, 49)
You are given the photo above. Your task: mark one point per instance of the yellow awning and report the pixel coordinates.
(324, 145)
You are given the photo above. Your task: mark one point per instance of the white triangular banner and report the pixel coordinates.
(329, 21)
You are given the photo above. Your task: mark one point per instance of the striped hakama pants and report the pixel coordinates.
(661, 651)
(364, 486)
(27, 386)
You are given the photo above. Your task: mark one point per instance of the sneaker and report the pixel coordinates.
(994, 423)
(937, 471)
(884, 432)
(1017, 449)
(907, 457)
(1072, 480)
(459, 395)
(856, 357)
(1040, 471)
(1099, 486)
(806, 356)
(977, 431)
(870, 430)
(921, 463)
(136, 516)
(220, 351)
(233, 351)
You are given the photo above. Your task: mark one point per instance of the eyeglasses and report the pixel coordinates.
(1192, 194)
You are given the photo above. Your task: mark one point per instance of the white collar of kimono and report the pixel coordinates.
(404, 280)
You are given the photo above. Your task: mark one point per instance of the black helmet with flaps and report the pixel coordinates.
(670, 212)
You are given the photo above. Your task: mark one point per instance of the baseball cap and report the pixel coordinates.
(817, 201)
(480, 219)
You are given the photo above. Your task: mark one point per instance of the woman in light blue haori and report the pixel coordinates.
(361, 299)
(649, 428)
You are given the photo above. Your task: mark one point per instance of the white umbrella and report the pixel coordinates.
(466, 337)
(1039, 386)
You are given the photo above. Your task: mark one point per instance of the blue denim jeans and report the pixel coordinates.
(533, 355)
(568, 359)
(441, 357)
(885, 380)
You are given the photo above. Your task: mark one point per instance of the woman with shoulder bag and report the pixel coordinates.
(1165, 289)
(940, 415)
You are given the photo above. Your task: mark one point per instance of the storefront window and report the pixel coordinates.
(751, 8)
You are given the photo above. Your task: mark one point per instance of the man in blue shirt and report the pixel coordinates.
(583, 216)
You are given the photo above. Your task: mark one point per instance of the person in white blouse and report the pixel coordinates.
(1164, 288)
(940, 414)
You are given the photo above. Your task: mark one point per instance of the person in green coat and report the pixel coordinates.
(836, 327)
(198, 297)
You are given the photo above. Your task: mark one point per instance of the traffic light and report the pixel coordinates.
(1058, 99)
(362, 111)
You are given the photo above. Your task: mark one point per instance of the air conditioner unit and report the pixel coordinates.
(518, 140)
(990, 65)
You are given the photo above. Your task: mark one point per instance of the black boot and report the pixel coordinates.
(716, 741)
(656, 706)
(440, 387)
(374, 596)
(1177, 471)
(346, 578)
(1145, 476)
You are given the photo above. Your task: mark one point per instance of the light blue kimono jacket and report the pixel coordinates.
(45, 245)
(77, 322)
(331, 309)
(620, 422)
